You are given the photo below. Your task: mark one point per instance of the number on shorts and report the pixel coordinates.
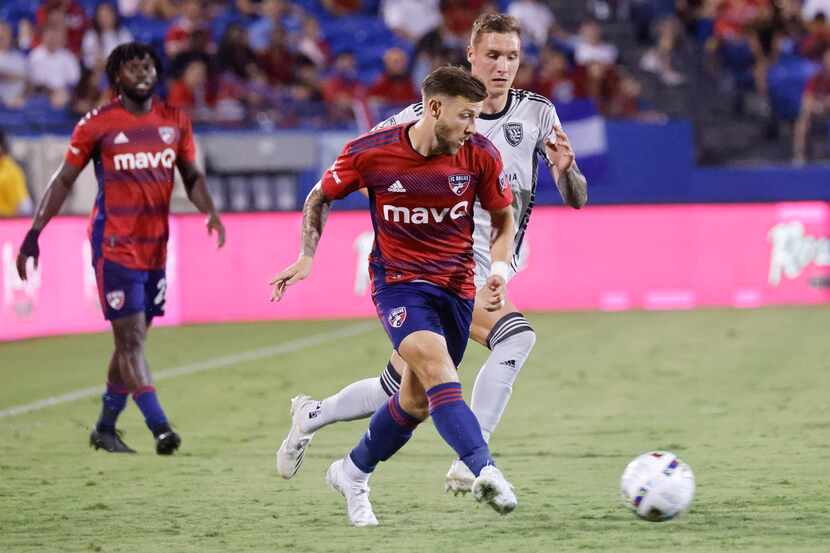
(161, 296)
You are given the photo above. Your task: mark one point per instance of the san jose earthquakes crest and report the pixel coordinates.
(397, 317)
(513, 133)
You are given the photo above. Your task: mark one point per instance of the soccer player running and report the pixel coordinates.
(525, 128)
(134, 142)
(423, 179)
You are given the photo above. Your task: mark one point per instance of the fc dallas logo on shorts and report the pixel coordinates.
(116, 299)
(397, 316)
(459, 183)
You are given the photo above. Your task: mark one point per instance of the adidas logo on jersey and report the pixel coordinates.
(396, 187)
(121, 138)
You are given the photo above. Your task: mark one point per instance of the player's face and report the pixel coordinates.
(137, 78)
(456, 122)
(495, 60)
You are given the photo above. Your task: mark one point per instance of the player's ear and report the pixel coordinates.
(435, 106)
(470, 54)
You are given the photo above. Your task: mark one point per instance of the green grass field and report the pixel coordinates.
(743, 396)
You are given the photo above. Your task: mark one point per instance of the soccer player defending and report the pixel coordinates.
(134, 143)
(525, 129)
(422, 179)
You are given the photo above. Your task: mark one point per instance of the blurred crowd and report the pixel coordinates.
(334, 63)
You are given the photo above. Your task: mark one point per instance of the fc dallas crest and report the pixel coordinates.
(115, 299)
(397, 317)
(459, 183)
(167, 134)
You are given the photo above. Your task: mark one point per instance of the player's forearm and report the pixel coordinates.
(52, 201)
(573, 186)
(315, 212)
(200, 197)
(501, 237)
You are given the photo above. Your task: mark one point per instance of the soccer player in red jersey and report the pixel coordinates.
(135, 142)
(423, 179)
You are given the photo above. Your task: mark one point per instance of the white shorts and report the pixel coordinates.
(481, 249)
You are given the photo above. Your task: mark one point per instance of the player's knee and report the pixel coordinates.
(416, 406)
(515, 330)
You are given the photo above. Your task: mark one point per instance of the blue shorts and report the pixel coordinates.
(412, 306)
(125, 292)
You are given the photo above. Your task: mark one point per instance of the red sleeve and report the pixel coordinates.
(187, 148)
(342, 178)
(82, 143)
(810, 87)
(494, 192)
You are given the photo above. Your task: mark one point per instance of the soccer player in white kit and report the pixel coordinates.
(525, 129)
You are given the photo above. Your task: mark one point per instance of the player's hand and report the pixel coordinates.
(29, 248)
(214, 223)
(292, 274)
(495, 290)
(559, 151)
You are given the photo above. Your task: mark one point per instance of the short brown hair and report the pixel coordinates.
(494, 23)
(453, 81)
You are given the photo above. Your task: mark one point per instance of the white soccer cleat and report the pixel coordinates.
(356, 493)
(492, 487)
(459, 478)
(292, 450)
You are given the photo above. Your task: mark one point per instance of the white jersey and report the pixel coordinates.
(519, 132)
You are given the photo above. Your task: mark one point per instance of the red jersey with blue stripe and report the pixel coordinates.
(134, 156)
(421, 207)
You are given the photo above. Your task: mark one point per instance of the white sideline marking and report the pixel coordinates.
(201, 366)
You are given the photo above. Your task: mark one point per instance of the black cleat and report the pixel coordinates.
(109, 441)
(167, 442)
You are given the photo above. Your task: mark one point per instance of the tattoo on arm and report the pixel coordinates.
(573, 187)
(315, 212)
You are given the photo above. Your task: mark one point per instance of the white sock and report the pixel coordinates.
(358, 400)
(354, 473)
(510, 341)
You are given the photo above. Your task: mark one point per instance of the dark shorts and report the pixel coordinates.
(412, 306)
(124, 292)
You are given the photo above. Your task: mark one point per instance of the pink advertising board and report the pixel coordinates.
(603, 258)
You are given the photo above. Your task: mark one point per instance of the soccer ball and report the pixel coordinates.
(657, 486)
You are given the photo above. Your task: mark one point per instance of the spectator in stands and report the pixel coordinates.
(104, 35)
(192, 19)
(54, 70)
(557, 80)
(410, 19)
(812, 8)
(536, 19)
(591, 48)
(200, 47)
(275, 13)
(191, 92)
(662, 57)
(151, 9)
(736, 42)
(817, 40)
(88, 95)
(278, 61)
(394, 86)
(815, 105)
(342, 88)
(235, 55)
(12, 70)
(447, 43)
(14, 197)
(312, 44)
(67, 13)
(342, 7)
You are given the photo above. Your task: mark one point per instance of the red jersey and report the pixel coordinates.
(819, 85)
(421, 207)
(134, 158)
